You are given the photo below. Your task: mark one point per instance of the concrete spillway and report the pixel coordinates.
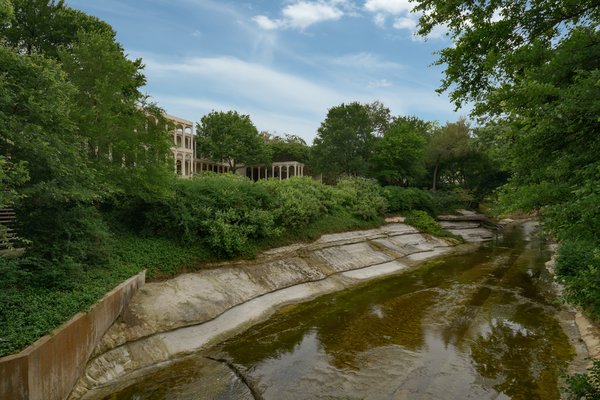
(167, 320)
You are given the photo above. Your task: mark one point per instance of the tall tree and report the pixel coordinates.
(344, 141)
(288, 148)
(447, 144)
(43, 26)
(533, 68)
(126, 139)
(399, 156)
(380, 117)
(494, 42)
(231, 138)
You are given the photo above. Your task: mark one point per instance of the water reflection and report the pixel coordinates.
(477, 326)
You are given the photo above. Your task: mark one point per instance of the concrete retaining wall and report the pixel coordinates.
(49, 368)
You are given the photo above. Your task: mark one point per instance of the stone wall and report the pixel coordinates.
(48, 369)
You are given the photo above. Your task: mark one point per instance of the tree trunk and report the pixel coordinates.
(435, 174)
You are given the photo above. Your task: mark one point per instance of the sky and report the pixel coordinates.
(285, 63)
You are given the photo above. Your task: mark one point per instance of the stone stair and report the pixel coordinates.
(8, 219)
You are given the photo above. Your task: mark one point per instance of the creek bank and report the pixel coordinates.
(589, 332)
(167, 320)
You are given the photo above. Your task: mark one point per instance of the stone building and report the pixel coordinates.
(186, 162)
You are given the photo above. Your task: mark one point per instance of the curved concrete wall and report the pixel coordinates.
(170, 319)
(49, 368)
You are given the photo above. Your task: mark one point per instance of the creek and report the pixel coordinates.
(483, 325)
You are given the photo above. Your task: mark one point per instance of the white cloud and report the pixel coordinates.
(400, 10)
(302, 14)
(363, 60)
(248, 81)
(393, 7)
(382, 83)
(438, 32)
(405, 23)
(267, 23)
(379, 20)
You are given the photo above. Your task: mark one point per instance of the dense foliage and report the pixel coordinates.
(425, 223)
(211, 216)
(585, 386)
(231, 138)
(287, 148)
(532, 70)
(231, 215)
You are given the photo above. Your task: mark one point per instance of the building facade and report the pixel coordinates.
(187, 164)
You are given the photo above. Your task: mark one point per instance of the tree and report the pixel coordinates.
(232, 138)
(288, 148)
(7, 11)
(71, 112)
(447, 144)
(494, 42)
(533, 69)
(399, 156)
(43, 26)
(344, 141)
(380, 117)
(128, 142)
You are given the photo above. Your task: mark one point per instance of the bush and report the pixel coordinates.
(363, 198)
(231, 215)
(65, 231)
(425, 223)
(298, 201)
(573, 257)
(451, 200)
(585, 386)
(223, 211)
(578, 267)
(402, 199)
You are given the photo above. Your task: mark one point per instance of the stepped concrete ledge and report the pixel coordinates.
(166, 320)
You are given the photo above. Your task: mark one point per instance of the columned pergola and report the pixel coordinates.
(187, 163)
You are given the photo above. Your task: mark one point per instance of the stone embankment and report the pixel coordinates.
(589, 331)
(167, 320)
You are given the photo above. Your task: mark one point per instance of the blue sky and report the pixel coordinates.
(285, 63)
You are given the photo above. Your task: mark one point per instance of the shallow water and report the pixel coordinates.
(475, 326)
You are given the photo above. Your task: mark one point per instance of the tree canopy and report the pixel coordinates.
(398, 157)
(75, 130)
(344, 141)
(287, 148)
(532, 69)
(231, 138)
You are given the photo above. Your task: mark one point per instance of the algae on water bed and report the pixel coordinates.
(474, 326)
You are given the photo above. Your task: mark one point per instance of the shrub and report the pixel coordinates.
(451, 200)
(425, 223)
(578, 267)
(231, 231)
(66, 231)
(298, 201)
(585, 386)
(362, 197)
(573, 257)
(402, 199)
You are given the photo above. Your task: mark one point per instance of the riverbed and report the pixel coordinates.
(484, 325)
